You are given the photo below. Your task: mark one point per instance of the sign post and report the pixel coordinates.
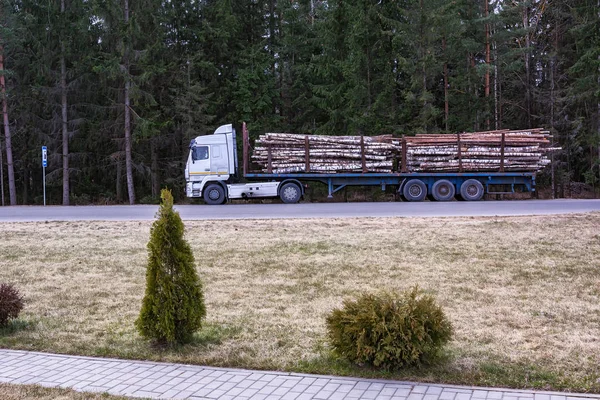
(44, 165)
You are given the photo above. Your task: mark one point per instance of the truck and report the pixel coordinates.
(212, 174)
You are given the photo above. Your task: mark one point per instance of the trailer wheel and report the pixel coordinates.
(471, 190)
(414, 190)
(290, 193)
(214, 194)
(443, 190)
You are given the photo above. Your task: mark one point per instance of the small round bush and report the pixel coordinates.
(11, 303)
(389, 331)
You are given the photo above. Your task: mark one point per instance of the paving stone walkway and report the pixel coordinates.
(179, 381)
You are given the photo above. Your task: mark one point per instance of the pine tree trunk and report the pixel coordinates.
(65, 131)
(27, 175)
(527, 65)
(1, 174)
(598, 115)
(487, 65)
(119, 184)
(552, 105)
(12, 191)
(154, 169)
(496, 90)
(128, 158)
(446, 100)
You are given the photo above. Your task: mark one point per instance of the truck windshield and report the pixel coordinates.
(200, 153)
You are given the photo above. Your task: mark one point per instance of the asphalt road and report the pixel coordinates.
(307, 210)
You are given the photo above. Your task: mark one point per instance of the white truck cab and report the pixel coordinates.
(211, 165)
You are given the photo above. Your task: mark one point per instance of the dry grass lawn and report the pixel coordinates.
(21, 392)
(523, 293)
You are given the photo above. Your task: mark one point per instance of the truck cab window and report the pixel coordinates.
(200, 153)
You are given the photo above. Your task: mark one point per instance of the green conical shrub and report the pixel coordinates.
(173, 306)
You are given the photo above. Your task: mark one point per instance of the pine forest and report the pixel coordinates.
(116, 89)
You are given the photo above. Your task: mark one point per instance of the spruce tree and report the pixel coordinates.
(173, 306)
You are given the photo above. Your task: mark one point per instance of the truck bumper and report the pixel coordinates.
(192, 190)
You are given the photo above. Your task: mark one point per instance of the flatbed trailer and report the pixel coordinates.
(493, 182)
(212, 165)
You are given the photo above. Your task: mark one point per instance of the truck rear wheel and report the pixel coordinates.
(414, 190)
(471, 190)
(214, 194)
(290, 193)
(443, 190)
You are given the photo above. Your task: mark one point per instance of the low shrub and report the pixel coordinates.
(389, 331)
(11, 303)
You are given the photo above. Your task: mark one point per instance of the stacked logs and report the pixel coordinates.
(490, 151)
(289, 153)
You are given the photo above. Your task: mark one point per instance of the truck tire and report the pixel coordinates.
(471, 190)
(414, 190)
(290, 193)
(443, 190)
(214, 194)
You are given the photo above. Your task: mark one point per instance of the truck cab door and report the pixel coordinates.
(200, 162)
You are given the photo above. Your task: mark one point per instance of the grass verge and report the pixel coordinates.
(20, 392)
(523, 293)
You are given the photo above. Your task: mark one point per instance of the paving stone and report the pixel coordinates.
(401, 392)
(258, 385)
(495, 395)
(463, 396)
(388, 391)
(267, 390)
(249, 393)
(434, 390)
(420, 389)
(119, 389)
(416, 396)
(538, 396)
(370, 394)
(344, 388)
(355, 393)
(298, 388)
(323, 395)
(143, 393)
(280, 391)
(202, 392)
(431, 397)
(445, 395)
(305, 396)
(244, 384)
(312, 389)
(258, 397)
(215, 394)
(332, 387)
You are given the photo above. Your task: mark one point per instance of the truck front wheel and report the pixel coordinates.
(290, 193)
(214, 194)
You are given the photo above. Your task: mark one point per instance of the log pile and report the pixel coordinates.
(491, 151)
(289, 153)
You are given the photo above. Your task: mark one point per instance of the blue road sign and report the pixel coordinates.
(44, 156)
